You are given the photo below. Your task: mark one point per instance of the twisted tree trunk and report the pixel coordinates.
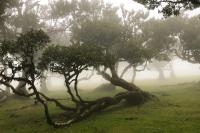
(21, 87)
(116, 80)
(134, 75)
(130, 87)
(98, 105)
(125, 70)
(7, 91)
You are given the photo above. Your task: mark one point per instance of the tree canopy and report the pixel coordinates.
(99, 38)
(189, 37)
(170, 7)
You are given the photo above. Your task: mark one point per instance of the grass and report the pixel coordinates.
(178, 111)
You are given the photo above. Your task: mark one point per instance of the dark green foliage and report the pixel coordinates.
(170, 7)
(99, 39)
(190, 40)
(159, 38)
(18, 16)
(133, 52)
(100, 21)
(26, 45)
(109, 35)
(22, 54)
(100, 32)
(129, 38)
(72, 56)
(4, 6)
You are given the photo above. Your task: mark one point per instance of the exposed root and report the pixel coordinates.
(87, 109)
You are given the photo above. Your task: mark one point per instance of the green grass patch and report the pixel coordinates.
(177, 111)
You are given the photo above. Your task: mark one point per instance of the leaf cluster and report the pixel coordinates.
(63, 59)
(170, 7)
(27, 45)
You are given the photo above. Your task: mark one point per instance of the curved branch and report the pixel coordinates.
(125, 70)
(105, 102)
(144, 67)
(76, 89)
(57, 103)
(15, 91)
(134, 74)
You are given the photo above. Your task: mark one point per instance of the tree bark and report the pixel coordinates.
(124, 84)
(125, 70)
(117, 81)
(21, 87)
(100, 104)
(130, 87)
(134, 75)
(7, 88)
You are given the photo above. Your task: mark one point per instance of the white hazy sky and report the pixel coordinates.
(128, 4)
(131, 5)
(182, 68)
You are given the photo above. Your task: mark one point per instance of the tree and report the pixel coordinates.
(23, 16)
(160, 67)
(78, 58)
(16, 13)
(101, 43)
(20, 49)
(185, 34)
(133, 22)
(22, 54)
(188, 43)
(4, 6)
(170, 7)
(123, 38)
(123, 41)
(100, 39)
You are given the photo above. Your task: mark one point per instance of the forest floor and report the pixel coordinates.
(177, 111)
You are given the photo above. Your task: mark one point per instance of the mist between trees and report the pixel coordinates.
(68, 38)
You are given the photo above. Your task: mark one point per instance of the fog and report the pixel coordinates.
(126, 66)
(182, 69)
(184, 72)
